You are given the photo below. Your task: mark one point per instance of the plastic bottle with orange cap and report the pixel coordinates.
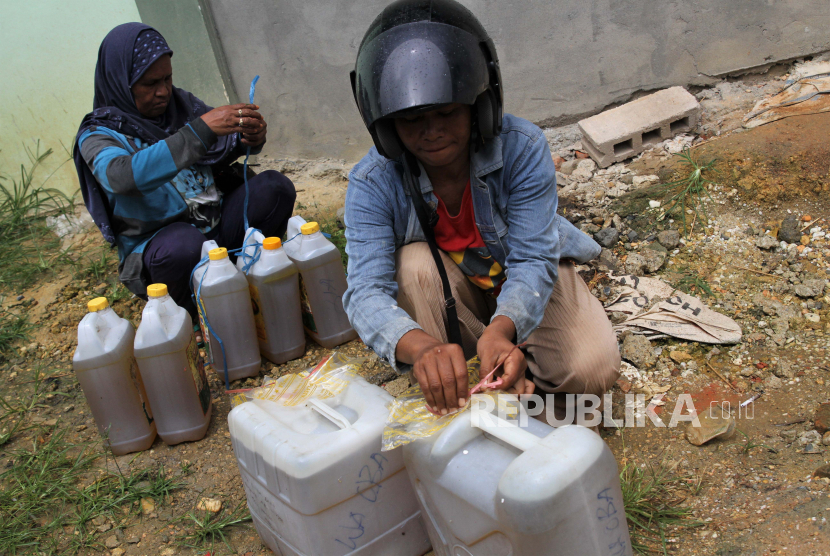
(275, 296)
(322, 284)
(224, 300)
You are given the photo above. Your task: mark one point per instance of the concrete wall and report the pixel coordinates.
(559, 59)
(49, 52)
(195, 67)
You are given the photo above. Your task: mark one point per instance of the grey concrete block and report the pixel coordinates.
(628, 130)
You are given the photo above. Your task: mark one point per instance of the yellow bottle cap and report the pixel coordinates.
(310, 228)
(218, 254)
(157, 290)
(97, 304)
(271, 243)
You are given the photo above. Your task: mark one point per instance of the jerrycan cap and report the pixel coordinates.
(310, 228)
(218, 254)
(97, 304)
(157, 290)
(271, 243)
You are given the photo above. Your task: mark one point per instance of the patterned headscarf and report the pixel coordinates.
(149, 45)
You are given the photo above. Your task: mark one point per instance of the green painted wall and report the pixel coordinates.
(194, 65)
(49, 52)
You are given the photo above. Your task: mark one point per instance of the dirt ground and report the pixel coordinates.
(757, 494)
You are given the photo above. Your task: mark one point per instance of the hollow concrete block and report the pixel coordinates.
(628, 130)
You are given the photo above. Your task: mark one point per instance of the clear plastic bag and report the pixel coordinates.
(409, 419)
(326, 380)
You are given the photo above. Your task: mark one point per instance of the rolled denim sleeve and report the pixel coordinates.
(532, 239)
(371, 297)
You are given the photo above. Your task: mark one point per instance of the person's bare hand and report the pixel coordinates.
(521, 387)
(237, 118)
(441, 370)
(495, 347)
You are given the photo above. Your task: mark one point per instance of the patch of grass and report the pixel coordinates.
(21, 201)
(750, 444)
(96, 268)
(209, 528)
(13, 328)
(117, 292)
(693, 284)
(654, 499)
(688, 192)
(51, 493)
(25, 237)
(15, 412)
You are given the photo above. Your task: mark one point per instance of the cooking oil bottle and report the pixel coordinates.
(111, 381)
(323, 283)
(275, 295)
(226, 305)
(173, 372)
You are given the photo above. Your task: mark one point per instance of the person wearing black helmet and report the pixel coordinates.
(454, 244)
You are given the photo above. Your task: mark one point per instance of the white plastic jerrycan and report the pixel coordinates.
(109, 376)
(275, 295)
(199, 272)
(173, 372)
(250, 246)
(226, 305)
(317, 481)
(322, 285)
(293, 233)
(490, 488)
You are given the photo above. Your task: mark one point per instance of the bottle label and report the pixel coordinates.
(205, 335)
(308, 316)
(259, 319)
(197, 370)
(135, 375)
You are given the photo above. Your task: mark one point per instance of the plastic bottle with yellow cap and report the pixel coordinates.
(275, 295)
(322, 285)
(226, 302)
(173, 372)
(111, 381)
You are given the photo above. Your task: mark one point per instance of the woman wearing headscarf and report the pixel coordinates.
(153, 163)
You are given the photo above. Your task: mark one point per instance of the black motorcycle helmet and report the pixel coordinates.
(420, 55)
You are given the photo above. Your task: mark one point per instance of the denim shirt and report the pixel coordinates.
(513, 181)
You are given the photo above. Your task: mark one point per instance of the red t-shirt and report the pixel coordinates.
(458, 236)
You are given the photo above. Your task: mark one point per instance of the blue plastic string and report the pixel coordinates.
(247, 154)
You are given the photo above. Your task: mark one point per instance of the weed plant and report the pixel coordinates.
(654, 499)
(689, 192)
(210, 528)
(23, 206)
(14, 412)
(13, 328)
(693, 284)
(48, 500)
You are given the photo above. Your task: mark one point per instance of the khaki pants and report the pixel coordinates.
(574, 350)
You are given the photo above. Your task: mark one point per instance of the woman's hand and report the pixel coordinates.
(440, 369)
(496, 347)
(238, 118)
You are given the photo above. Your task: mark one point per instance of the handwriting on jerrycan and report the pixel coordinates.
(367, 486)
(610, 515)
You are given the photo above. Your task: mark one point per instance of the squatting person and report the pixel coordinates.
(428, 86)
(155, 166)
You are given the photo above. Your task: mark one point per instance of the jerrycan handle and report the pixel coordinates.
(507, 432)
(329, 413)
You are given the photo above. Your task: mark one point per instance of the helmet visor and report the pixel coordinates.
(418, 65)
